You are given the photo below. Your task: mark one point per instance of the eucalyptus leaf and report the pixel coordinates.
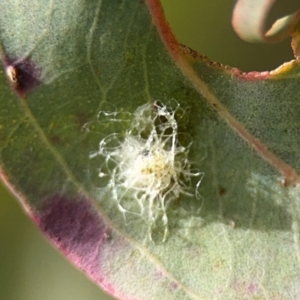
(76, 73)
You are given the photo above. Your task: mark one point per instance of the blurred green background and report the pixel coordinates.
(30, 268)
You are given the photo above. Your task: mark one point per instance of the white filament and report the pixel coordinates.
(149, 164)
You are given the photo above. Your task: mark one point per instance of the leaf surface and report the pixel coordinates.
(64, 62)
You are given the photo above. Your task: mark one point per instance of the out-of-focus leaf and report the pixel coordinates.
(249, 19)
(296, 40)
(64, 62)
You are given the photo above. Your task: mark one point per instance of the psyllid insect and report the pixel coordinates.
(148, 164)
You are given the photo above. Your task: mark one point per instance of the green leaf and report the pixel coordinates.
(65, 63)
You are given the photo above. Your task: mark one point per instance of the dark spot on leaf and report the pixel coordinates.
(76, 228)
(23, 75)
(222, 191)
(174, 285)
(81, 119)
(55, 139)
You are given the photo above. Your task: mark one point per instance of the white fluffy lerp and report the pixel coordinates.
(149, 164)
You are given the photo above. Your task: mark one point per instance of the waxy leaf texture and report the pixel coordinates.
(65, 63)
